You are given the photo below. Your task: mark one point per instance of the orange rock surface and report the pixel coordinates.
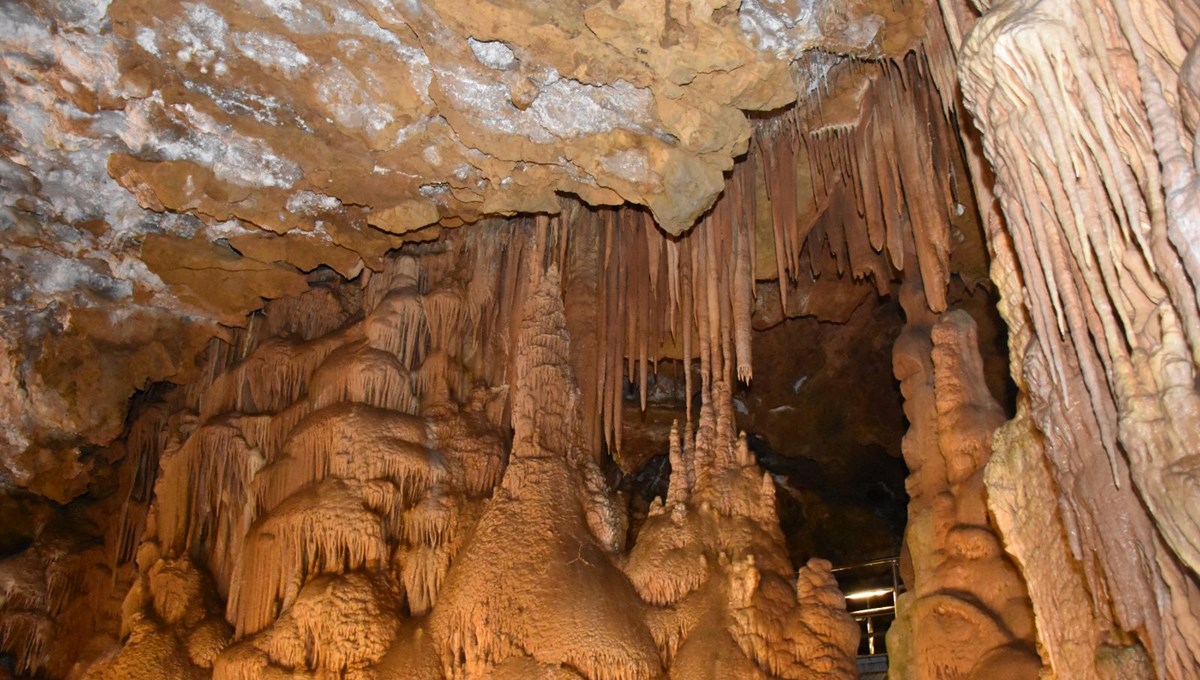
(321, 322)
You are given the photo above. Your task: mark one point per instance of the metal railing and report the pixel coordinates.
(871, 589)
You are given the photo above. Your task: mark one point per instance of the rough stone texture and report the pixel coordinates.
(1087, 111)
(966, 613)
(167, 165)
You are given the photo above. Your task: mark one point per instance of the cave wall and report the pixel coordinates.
(1086, 113)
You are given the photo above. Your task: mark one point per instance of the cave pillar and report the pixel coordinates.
(966, 613)
(1086, 111)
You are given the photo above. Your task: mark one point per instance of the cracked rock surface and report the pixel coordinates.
(170, 165)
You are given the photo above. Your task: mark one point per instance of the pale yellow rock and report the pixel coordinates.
(404, 217)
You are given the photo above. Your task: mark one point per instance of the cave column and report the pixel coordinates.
(966, 613)
(1086, 121)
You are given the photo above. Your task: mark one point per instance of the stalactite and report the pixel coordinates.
(687, 300)
(1101, 297)
(743, 276)
(619, 295)
(781, 192)
(271, 377)
(26, 634)
(721, 259)
(639, 268)
(41, 590)
(398, 325)
(350, 441)
(146, 441)
(204, 504)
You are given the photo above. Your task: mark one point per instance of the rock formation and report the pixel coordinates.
(710, 560)
(1087, 112)
(966, 613)
(571, 613)
(281, 282)
(337, 501)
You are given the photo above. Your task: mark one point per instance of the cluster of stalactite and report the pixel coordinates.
(60, 596)
(318, 502)
(1087, 112)
(42, 613)
(842, 189)
(868, 180)
(689, 298)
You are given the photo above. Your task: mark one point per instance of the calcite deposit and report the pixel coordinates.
(967, 614)
(324, 325)
(322, 510)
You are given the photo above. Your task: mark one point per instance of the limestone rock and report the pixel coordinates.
(138, 134)
(967, 613)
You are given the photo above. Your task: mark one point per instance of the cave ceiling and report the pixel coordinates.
(168, 166)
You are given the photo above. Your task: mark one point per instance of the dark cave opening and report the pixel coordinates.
(823, 416)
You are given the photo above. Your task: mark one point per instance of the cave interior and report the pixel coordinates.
(602, 339)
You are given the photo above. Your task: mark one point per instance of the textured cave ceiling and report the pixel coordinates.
(168, 166)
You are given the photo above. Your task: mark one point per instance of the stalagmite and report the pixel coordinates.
(711, 561)
(967, 613)
(574, 607)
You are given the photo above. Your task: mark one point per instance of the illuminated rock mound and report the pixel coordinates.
(342, 504)
(711, 563)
